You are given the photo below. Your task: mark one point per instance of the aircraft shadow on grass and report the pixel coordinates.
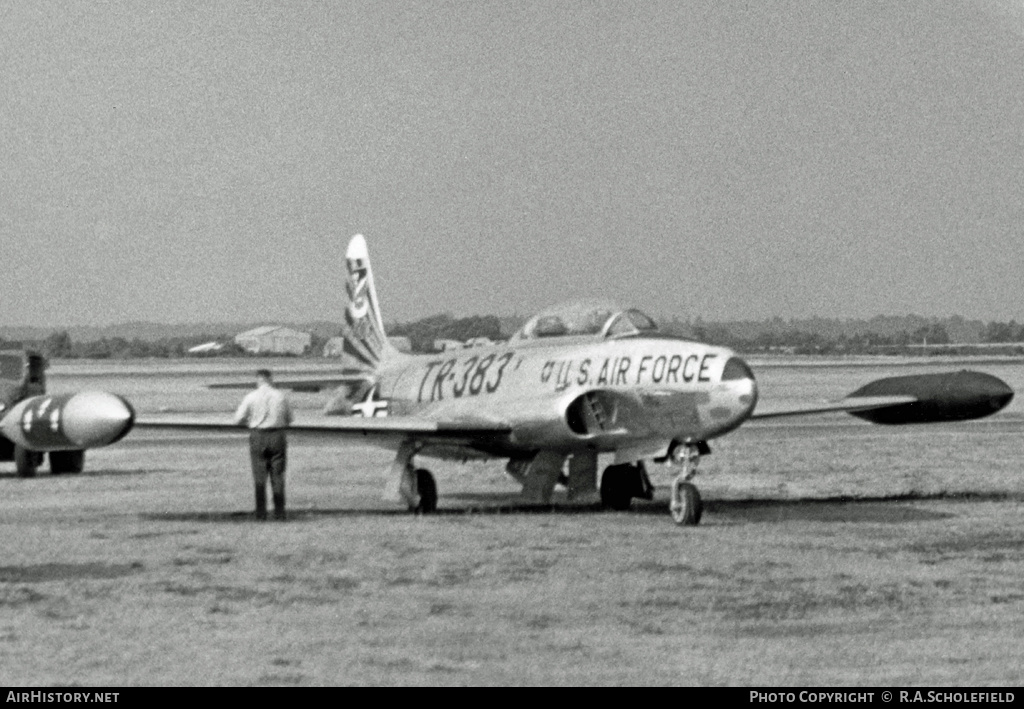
(878, 510)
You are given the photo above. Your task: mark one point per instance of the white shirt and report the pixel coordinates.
(264, 407)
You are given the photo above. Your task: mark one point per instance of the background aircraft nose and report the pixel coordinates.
(68, 421)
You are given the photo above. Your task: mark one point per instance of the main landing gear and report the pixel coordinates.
(427, 489)
(27, 462)
(621, 483)
(418, 490)
(416, 486)
(685, 504)
(67, 462)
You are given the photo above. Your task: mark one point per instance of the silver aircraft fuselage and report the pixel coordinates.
(572, 393)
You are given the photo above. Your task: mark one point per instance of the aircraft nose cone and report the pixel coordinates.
(96, 418)
(738, 372)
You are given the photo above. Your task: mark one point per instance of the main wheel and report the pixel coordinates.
(618, 485)
(427, 489)
(67, 462)
(686, 506)
(26, 462)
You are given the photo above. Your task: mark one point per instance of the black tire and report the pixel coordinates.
(26, 462)
(427, 489)
(618, 485)
(691, 507)
(67, 462)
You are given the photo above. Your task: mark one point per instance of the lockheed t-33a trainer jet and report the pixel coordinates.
(576, 381)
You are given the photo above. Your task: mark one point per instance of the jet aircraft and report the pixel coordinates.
(576, 381)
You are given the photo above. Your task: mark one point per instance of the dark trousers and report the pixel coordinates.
(268, 451)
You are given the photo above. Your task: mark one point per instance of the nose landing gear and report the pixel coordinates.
(685, 505)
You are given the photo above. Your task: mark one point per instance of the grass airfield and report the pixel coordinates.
(830, 553)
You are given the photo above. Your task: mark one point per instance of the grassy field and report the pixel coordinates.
(831, 553)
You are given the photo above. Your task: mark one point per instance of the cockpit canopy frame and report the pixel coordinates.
(592, 320)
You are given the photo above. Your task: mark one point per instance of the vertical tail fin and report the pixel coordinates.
(366, 344)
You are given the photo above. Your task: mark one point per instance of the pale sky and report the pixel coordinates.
(207, 162)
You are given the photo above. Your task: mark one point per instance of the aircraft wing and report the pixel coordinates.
(386, 430)
(663, 412)
(913, 398)
(849, 405)
(306, 384)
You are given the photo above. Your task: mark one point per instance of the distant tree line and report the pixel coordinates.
(798, 341)
(60, 345)
(802, 338)
(881, 335)
(888, 335)
(422, 333)
(1003, 332)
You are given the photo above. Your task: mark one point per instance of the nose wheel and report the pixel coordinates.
(685, 505)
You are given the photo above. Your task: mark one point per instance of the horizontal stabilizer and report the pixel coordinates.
(306, 384)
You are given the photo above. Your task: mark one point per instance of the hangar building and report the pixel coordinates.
(274, 339)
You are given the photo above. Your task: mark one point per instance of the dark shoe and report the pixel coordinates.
(261, 515)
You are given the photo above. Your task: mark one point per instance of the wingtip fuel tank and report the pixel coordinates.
(88, 419)
(950, 396)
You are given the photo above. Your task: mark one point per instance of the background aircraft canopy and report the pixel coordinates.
(595, 319)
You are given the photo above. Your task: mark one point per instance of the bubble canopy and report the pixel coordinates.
(592, 319)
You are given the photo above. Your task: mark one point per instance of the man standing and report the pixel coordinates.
(267, 414)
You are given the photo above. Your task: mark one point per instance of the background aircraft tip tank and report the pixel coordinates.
(88, 419)
(957, 396)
